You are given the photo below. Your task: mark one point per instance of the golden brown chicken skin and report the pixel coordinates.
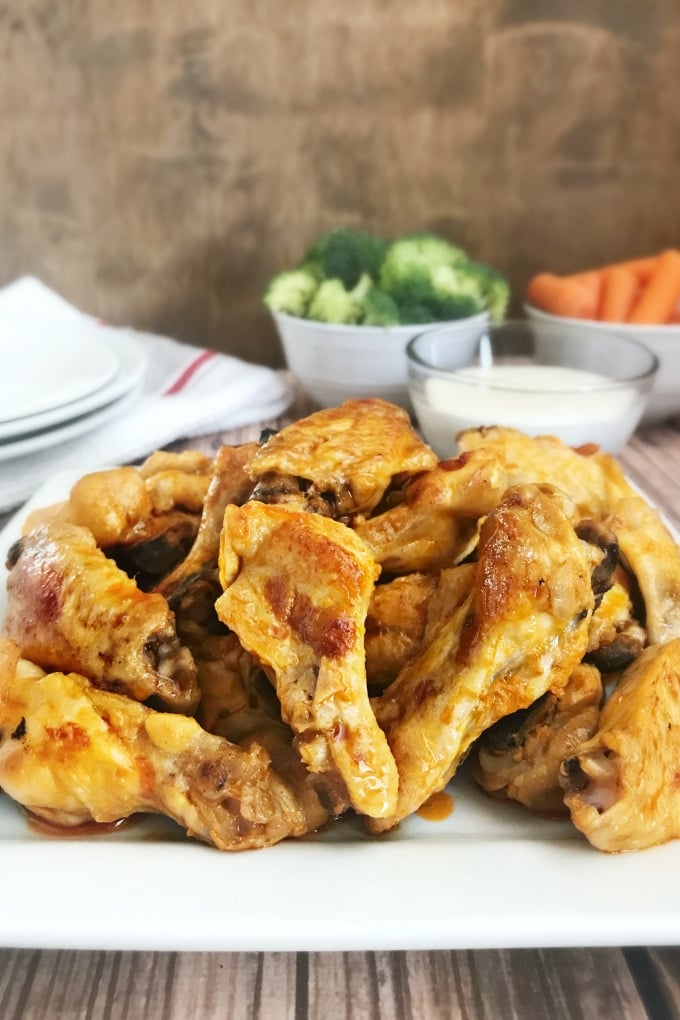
(297, 589)
(128, 504)
(404, 613)
(395, 624)
(341, 460)
(146, 518)
(435, 524)
(229, 484)
(520, 757)
(622, 787)
(520, 632)
(239, 703)
(71, 608)
(72, 754)
(653, 556)
(590, 478)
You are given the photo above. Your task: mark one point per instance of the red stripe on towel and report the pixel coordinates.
(189, 371)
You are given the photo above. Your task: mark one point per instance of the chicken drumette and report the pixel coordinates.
(71, 608)
(519, 633)
(71, 754)
(622, 786)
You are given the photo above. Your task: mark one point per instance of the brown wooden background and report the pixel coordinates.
(160, 160)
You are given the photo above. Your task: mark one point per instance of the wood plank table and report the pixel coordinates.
(626, 983)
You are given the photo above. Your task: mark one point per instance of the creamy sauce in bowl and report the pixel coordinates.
(537, 399)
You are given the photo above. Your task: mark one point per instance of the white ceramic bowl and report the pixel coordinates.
(581, 385)
(664, 341)
(337, 363)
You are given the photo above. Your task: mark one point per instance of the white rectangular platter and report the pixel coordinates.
(489, 875)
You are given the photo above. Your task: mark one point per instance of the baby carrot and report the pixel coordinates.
(641, 268)
(660, 295)
(561, 295)
(590, 282)
(619, 291)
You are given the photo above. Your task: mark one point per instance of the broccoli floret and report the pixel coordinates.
(362, 289)
(456, 295)
(494, 288)
(420, 271)
(334, 303)
(379, 309)
(410, 261)
(346, 254)
(291, 292)
(415, 315)
(427, 249)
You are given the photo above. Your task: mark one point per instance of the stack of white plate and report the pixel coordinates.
(57, 387)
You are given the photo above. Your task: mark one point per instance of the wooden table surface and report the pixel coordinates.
(626, 983)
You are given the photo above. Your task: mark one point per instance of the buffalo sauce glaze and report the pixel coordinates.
(92, 828)
(437, 807)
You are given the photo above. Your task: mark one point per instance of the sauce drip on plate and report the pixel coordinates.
(437, 807)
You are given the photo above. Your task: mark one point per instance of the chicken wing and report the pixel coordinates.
(403, 615)
(71, 754)
(591, 479)
(435, 524)
(239, 703)
(146, 518)
(616, 635)
(122, 505)
(622, 787)
(229, 484)
(71, 608)
(521, 755)
(341, 460)
(297, 589)
(520, 632)
(653, 556)
(395, 624)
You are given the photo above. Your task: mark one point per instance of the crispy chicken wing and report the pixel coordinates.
(652, 555)
(616, 635)
(146, 518)
(239, 703)
(71, 608)
(395, 624)
(71, 754)
(435, 524)
(520, 756)
(194, 585)
(622, 787)
(297, 589)
(229, 484)
(590, 478)
(520, 632)
(339, 461)
(404, 613)
(121, 505)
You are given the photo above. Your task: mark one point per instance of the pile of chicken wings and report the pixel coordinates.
(331, 620)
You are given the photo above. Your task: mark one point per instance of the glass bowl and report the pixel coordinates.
(560, 379)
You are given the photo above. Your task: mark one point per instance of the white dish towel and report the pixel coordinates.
(186, 391)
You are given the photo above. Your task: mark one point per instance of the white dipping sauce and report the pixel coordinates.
(530, 398)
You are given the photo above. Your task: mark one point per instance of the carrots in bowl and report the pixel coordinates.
(644, 291)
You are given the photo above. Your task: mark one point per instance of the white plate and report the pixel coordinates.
(489, 876)
(131, 364)
(41, 371)
(47, 438)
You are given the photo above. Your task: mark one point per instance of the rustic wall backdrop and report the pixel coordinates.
(160, 160)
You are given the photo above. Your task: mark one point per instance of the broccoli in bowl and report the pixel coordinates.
(351, 277)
